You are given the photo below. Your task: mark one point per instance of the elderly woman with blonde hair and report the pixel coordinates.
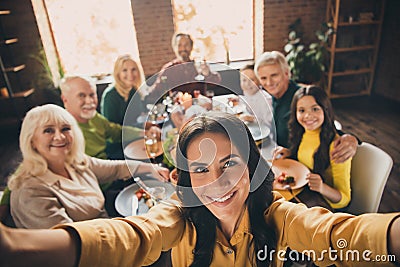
(56, 182)
(128, 77)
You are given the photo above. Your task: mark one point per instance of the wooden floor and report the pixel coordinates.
(376, 121)
(373, 120)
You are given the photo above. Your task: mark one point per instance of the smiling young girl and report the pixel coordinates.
(311, 136)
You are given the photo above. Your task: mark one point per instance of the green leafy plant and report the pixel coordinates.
(307, 65)
(44, 79)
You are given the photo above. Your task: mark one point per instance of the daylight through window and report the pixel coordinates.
(220, 28)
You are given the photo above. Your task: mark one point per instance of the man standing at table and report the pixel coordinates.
(273, 72)
(179, 74)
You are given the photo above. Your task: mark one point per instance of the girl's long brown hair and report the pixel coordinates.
(328, 130)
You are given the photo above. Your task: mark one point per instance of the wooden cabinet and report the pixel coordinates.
(353, 48)
(13, 98)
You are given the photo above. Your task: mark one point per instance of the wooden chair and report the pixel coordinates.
(370, 169)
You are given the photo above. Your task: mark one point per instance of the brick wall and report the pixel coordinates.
(279, 14)
(154, 28)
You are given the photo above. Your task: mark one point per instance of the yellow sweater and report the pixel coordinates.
(337, 175)
(139, 240)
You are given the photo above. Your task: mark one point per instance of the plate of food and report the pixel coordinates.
(289, 172)
(133, 200)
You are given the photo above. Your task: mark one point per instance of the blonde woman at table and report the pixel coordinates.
(226, 215)
(311, 136)
(128, 76)
(56, 182)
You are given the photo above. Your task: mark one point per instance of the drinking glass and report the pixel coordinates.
(198, 63)
(151, 144)
(210, 94)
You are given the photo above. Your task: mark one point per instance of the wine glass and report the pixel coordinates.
(210, 94)
(198, 63)
(151, 144)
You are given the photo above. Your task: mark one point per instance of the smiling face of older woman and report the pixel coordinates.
(53, 141)
(219, 176)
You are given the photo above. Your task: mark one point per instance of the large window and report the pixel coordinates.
(90, 34)
(218, 27)
(87, 36)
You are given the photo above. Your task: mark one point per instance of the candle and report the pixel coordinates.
(186, 100)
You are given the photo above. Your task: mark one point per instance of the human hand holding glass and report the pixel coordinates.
(201, 66)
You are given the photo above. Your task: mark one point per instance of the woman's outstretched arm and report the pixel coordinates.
(394, 241)
(50, 247)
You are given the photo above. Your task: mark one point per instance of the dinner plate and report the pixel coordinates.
(159, 120)
(258, 133)
(292, 168)
(137, 150)
(126, 199)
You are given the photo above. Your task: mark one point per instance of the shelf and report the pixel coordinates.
(15, 69)
(351, 72)
(9, 41)
(4, 93)
(15, 100)
(9, 122)
(360, 93)
(352, 49)
(359, 23)
(24, 94)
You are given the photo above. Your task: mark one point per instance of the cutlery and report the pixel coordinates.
(135, 205)
(289, 188)
(158, 192)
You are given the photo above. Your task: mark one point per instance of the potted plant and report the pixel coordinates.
(48, 93)
(307, 65)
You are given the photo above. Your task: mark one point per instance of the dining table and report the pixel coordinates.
(229, 103)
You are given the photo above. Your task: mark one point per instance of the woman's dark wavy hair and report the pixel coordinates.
(258, 201)
(328, 130)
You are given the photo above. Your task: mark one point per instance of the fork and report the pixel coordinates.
(158, 192)
(289, 188)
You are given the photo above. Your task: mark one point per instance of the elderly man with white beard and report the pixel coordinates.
(80, 99)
